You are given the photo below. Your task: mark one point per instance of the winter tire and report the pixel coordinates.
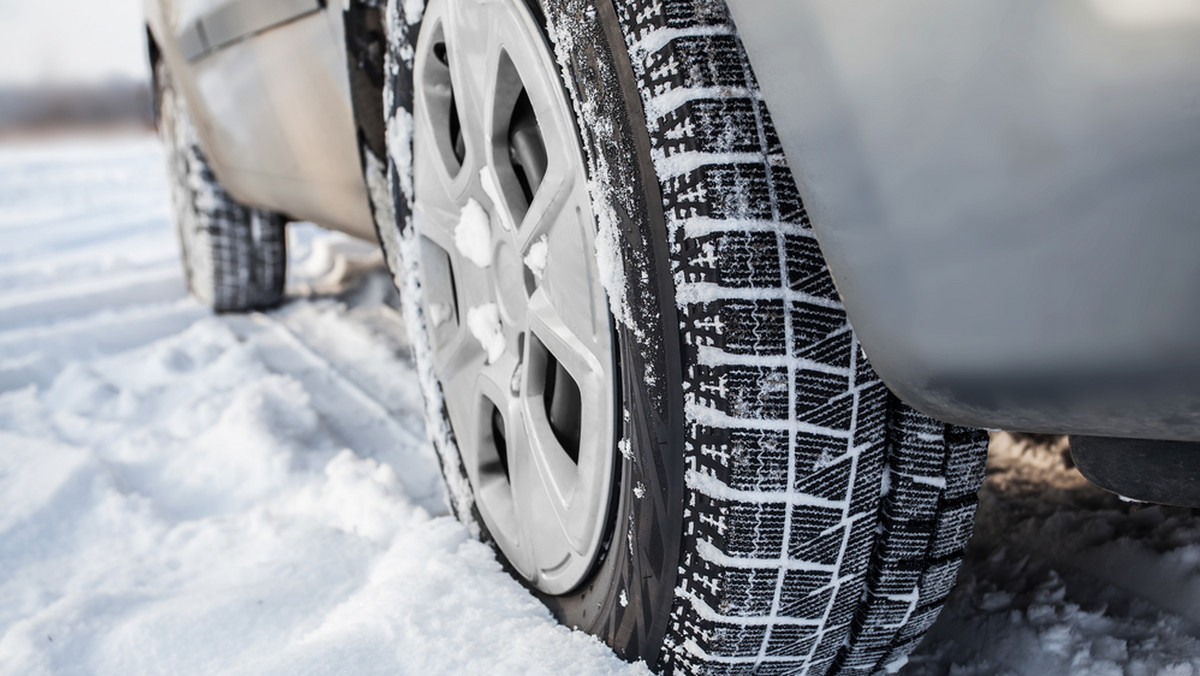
(770, 507)
(234, 256)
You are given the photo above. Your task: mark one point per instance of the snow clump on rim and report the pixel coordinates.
(473, 234)
(538, 256)
(484, 323)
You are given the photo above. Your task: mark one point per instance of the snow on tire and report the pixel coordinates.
(234, 256)
(777, 510)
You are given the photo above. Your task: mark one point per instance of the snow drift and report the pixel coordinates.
(184, 493)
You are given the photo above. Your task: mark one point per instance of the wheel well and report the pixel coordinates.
(366, 46)
(153, 53)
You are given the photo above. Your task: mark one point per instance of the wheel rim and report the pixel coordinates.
(516, 314)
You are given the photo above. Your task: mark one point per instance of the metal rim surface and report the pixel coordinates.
(516, 313)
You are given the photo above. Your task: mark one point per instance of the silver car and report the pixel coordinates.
(631, 239)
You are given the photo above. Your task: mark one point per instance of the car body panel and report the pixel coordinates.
(268, 88)
(1008, 195)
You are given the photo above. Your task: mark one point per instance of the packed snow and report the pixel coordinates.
(538, 256)
(484, 323)
(187, 493)
(473, 234)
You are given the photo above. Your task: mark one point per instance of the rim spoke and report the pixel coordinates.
(541, 528)
(556, 195)
(433, 181)
(457, 360)
(437, 225)
(564, 245)
(494, 463)
(577, 509)
(471, 75)
(562, 171)
(436, 119)
(580, 355)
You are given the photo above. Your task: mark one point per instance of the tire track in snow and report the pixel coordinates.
(68, 301)
(360, 418)
(181, 479)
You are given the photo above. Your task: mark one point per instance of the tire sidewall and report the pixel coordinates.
(628, 599)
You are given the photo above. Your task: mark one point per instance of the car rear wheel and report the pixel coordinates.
(234, 256)
(638, 373)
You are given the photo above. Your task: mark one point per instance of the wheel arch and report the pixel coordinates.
(366, 46)
(153, 55)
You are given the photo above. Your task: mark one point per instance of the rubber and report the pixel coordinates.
(778, 510)
(234, 256)
(1146, 470)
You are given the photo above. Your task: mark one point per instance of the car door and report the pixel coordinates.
(266, 81)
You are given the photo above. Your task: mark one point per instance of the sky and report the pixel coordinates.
(71, 41)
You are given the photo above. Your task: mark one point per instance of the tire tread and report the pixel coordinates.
(795, 558)
(234, 256)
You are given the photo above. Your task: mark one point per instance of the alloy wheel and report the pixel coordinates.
(516, 312)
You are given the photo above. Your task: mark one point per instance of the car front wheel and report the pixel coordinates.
(638, 372)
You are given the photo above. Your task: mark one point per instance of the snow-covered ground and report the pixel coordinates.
(189, 494)
(1064, 578)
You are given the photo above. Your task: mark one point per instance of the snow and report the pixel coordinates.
(601, 183)
(655, 39)
(538, 256)
(188, 493)
(401, 249)
(484, 323)
(491, 188)
(683, 163)
(1064, 578)
(399, 145)
(625, 448)
(439, 313)
(701, 292)
(384, 210)
(473, 234)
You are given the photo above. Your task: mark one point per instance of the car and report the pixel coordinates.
(631, 239)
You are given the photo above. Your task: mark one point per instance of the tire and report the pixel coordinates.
(234, 256)
(774, 508)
